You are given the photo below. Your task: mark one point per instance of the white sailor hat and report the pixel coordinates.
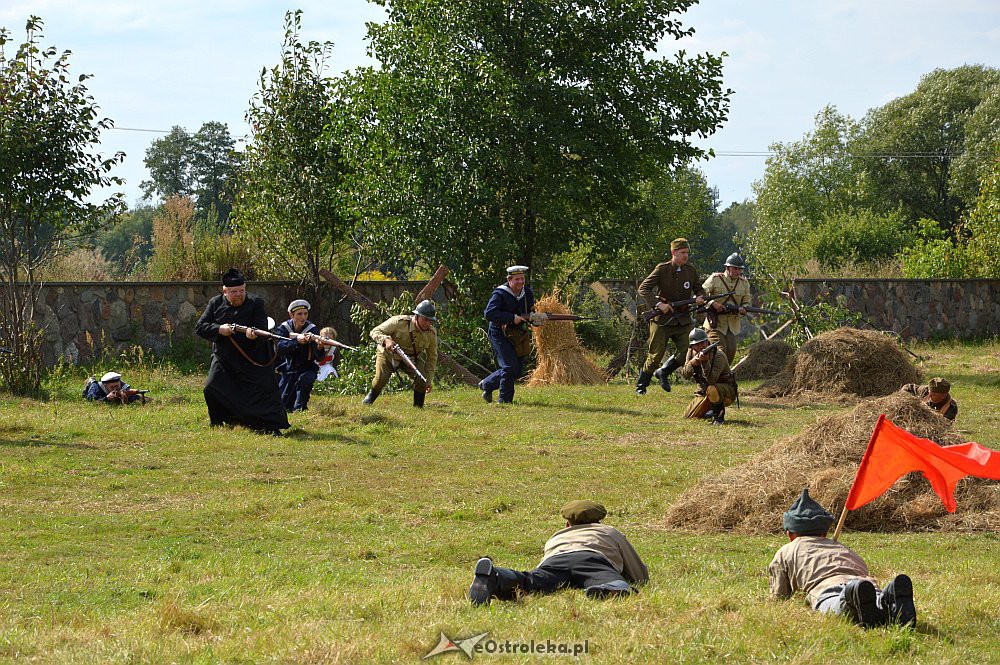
(517, 270)
(111, 376)
(299, 304)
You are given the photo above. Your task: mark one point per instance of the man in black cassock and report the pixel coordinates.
(241, 387)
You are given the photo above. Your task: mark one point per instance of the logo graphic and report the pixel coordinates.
(687, 285)
(446, 644)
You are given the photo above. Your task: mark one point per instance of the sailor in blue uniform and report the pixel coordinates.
(300, 356)
(509, 313)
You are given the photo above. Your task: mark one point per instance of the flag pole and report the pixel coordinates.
(861, 465)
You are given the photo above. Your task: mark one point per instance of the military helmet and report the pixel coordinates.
(697, 336)
(735, 260)
(426, 309)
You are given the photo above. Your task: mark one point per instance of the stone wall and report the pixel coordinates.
(81, 320)
(915, 308)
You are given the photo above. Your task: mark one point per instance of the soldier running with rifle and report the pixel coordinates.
(710, 370)
(722, 320)
(407, 343)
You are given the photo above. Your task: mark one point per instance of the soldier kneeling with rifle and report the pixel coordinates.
(710, 370)
(407, 343)
(112, 390)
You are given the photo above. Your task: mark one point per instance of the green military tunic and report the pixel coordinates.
(948, 407)
(669, 282)
(420, 346)
(714, 378)
(727, 325)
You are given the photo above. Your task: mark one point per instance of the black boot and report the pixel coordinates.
(643, 382)
(492, 582)
(487, 394)
(897, 602)
(609, 590)
(663, 374)
(418, 398)
(371, 396)
(718, 414)
(861, 604)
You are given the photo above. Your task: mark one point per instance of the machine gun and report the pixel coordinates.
(681, 306)
(398, 350)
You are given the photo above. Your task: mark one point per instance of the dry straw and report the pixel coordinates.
(751, 498)
(764, 360)
(561, 359)
(845, 361)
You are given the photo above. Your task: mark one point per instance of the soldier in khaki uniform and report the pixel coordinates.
(936, 396)
(672, 280)
(724, 328)
(716, 384)
(417, 338)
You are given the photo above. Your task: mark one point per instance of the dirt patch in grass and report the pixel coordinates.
(750, 499)
(846, 361)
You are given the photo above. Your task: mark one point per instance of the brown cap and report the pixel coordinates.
(583, 512)
(679, 243)
(939, 386)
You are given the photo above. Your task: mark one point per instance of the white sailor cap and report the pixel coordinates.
(517, 270)
(111, 376)
(271, 323)
(299, 304)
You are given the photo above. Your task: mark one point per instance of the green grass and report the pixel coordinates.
(139, 535)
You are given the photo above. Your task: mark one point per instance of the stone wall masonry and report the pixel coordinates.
(82, 319)
(915, 308)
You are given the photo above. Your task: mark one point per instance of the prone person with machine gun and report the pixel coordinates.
(672, 282)
(241, 388)
(112, 390)
(710, 370)
(407, 343)
(301, 350)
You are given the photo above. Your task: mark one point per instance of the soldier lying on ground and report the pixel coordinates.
(112, 390)
(936, 396)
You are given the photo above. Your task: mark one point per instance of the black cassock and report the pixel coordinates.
(239, 391)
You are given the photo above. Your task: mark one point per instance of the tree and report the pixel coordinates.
(49, 130)
(169, 162)
(915, 140)
(289, 202)
(495, 133)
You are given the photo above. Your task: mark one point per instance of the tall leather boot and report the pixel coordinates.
(371, 396)
(663, 374)
(418, 398)
(643, 382)
(492, 582)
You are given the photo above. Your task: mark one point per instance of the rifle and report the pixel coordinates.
(322, 340)
(267, 334)
(409, 363)
(123, 395)
(713, 316)
(680, 306)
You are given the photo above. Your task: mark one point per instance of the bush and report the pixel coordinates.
(935, 256)
(857, 238)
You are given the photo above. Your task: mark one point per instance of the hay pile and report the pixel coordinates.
(845, 361)
(764, 360)
(561, 359)
(751, 498)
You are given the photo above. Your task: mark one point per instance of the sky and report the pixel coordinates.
(187, 62)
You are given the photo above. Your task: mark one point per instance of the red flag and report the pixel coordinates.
(893, 452)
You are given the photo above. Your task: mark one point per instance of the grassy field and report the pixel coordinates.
(139, 535)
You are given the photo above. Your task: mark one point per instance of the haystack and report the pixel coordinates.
(561, 359)
(749, 499)
(845, 361)
(764, 360)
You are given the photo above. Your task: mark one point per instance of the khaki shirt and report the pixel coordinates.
(672, 283)
(607, 541)
(414, 342)
(712, 371)
(811, 564)
(948, 408)
(719, 282)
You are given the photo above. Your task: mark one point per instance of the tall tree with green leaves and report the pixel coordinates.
(49, 169)
(168, 160)
(288, 202)
(495, 133)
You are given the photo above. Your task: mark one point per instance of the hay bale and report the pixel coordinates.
(750, 499)
(865, 363)
(561, 359)
(764, 360)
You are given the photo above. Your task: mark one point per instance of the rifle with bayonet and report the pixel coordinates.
(535, 319)
(326, 341)
(680, 306)
(267, 334)
(712, 314)
(398, 350)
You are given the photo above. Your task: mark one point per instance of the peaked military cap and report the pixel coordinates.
(939, 386)
(233, 277)
(517, 270)
(583, 512)
(806, 517)
(299, 304)
(679, 243)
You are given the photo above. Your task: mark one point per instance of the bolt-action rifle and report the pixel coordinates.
(326, 341)
(541, 318)
(680, 306)
(713, 315)
(398, 350)
(267, 334)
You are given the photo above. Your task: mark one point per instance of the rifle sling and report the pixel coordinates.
(251, 360)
